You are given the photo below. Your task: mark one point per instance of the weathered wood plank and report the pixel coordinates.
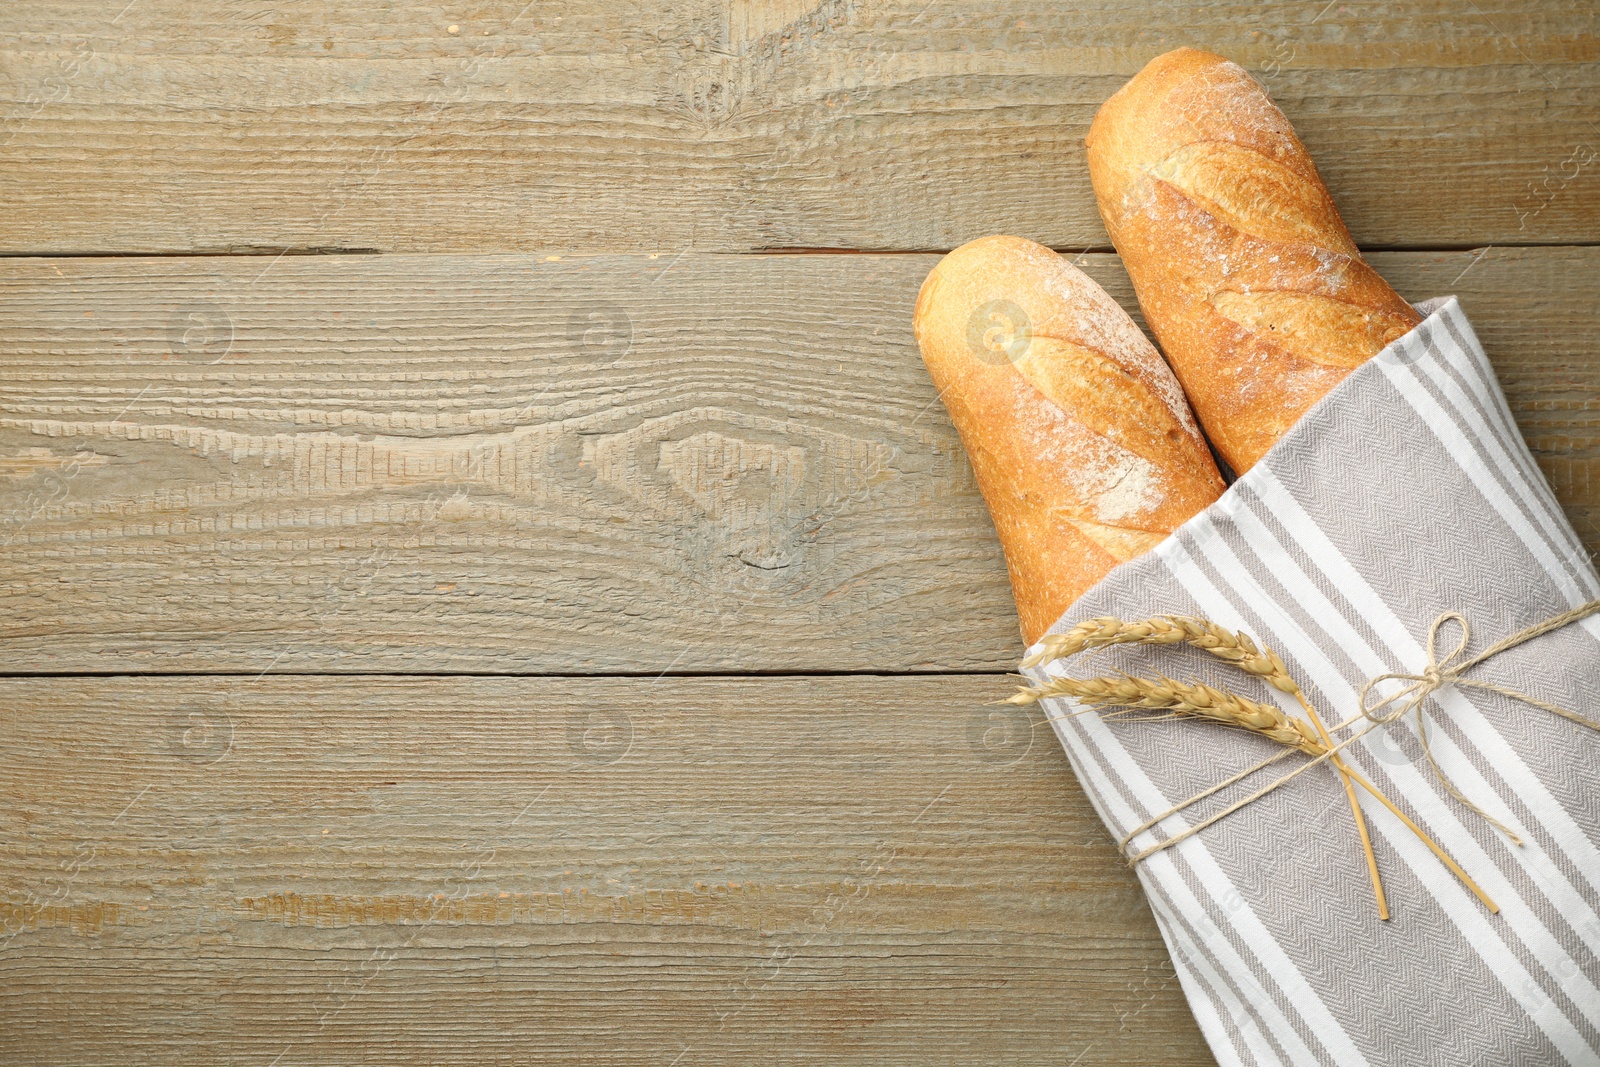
(300, 871)
(175, 125)
(599, 464)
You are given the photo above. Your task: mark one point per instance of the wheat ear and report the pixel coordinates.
(1226, 645)
(1233, 647)
(1193, 700)
(1206, 702)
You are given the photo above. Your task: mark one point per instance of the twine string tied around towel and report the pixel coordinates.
(1438, 674)
(1375, 711)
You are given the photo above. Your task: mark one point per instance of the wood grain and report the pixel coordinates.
(731, 125)
(632, 464)
(599, 464)
(339, 871)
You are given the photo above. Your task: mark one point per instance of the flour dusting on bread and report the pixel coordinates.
(1245, 271)
(1083, 445)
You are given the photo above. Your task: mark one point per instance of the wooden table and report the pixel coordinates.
(487, 579)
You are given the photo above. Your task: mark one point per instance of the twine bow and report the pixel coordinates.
(1439, 674)
(1163, 693)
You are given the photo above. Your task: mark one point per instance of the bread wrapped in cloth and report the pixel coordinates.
(1083, 446)
(1243, 268)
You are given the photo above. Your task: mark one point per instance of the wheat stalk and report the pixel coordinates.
(1206, 702)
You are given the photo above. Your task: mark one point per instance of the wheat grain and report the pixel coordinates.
(1194, 700)
(1098, 633)
(1232, 647)
(1237, 648)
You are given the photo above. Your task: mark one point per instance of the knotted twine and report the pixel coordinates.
(1435, 675)
(1439, 673)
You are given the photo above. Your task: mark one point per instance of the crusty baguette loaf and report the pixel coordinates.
(1082, 443)
(1242, 265)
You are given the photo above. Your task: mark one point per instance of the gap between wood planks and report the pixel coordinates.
(754, 484)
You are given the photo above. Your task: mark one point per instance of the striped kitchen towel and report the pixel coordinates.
(1406, 493)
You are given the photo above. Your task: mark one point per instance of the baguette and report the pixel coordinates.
(1243, 268)
(1083, 446)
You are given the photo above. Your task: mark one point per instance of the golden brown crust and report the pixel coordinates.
(1082, 443)
(1243, 267)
